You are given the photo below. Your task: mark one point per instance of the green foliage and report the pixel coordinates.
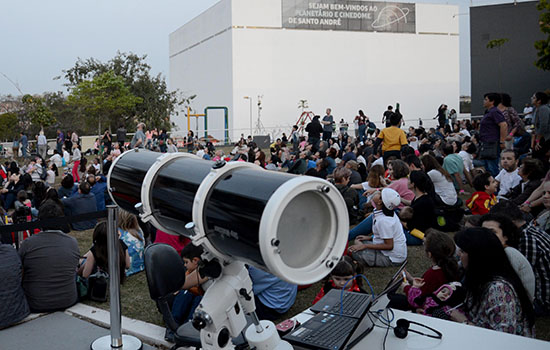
(497, 43)
(543, 46)
(104, 99)
(157, 102)
(8, 123)
(37, 111)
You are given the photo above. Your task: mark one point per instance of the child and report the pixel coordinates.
(508, 177)
(186, 301)
(440, 249)
(387, 246)
(484, 198)
(345, 270)
(51, 172)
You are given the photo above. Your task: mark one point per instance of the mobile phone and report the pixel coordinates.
(286, 326)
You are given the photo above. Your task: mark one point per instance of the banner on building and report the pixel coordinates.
(351, 15)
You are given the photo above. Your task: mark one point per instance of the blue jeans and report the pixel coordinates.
(362, 129)
(412, 240)
(184, 306)
(491, 165)
(363, 228)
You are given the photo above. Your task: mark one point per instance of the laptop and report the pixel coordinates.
(353, 304)
(332, 331)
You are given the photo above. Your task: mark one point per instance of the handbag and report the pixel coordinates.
(489, 150)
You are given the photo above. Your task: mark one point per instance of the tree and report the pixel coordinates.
(37, 111)
(104, 99)
(8, 123)
(543, 46)
(498, 43)
(157, 102)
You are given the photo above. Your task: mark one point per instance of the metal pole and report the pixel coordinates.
(114, 276)
(115, 340)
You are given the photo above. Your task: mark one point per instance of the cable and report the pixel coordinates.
(387, 331)
(344, 288)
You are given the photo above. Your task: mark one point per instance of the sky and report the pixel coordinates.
(39, 39)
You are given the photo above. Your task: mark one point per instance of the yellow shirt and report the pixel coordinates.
(393, 138)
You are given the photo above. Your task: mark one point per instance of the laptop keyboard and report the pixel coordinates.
(350, 304)
(330, 335)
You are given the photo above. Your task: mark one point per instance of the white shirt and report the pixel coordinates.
(528, 112)
(467, 159)
(57, 160)
(465, 132)
(76, 155)
(97, 167)
(42, 140)
(361, 159)
(66, 156)
(200, 153)
(50, 178)
(389, 227)
(443, 187)
(507, 180)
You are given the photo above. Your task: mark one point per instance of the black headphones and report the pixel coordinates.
(401, 329)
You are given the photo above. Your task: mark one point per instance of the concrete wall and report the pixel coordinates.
(518, 75)
(343, 70)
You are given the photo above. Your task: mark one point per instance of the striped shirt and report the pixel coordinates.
(535, 246)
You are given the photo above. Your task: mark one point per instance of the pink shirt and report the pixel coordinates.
(402, 187)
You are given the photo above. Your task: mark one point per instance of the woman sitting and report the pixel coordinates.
(97, 257)
(443, 183)
(496, 298)
(531, 172)
(387, 246)
(130, 233)
(420, 216)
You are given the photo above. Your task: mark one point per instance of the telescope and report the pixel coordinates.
(295, 227)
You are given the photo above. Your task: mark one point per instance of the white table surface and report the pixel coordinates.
(455, 336)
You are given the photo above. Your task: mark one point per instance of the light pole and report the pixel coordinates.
(250, 102)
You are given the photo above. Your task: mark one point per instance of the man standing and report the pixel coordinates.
(49, 262)
(138, 141)
(59, 141)
(314, 130)
(295, 138)
(121, 135)
(540, 143)
(386, 116)
(42, 144)
(328, 121)
(24, 144)
(492, 132)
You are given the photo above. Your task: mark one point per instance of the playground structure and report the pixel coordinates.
(305, 117)
(205, 115)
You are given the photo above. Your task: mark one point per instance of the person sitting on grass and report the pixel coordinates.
(344, 271)
(440, 249)
(387, 246)
(508, 177)
(130, 233)
(531, 172)
(484, 198)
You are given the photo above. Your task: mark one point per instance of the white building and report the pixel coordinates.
(396, 52)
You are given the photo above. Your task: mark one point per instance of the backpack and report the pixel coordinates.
(98, 285)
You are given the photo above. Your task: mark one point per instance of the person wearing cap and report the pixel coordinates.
(387, 245)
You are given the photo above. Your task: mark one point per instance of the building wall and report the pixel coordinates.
(518, 74)
(343, 70)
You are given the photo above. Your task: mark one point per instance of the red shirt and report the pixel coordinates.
(433, 279)
(481, 202)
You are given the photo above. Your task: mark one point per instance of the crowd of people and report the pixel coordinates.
(488, 180)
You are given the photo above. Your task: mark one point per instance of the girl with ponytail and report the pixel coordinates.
(440, 249)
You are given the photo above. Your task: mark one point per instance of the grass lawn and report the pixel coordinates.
(136, 303)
